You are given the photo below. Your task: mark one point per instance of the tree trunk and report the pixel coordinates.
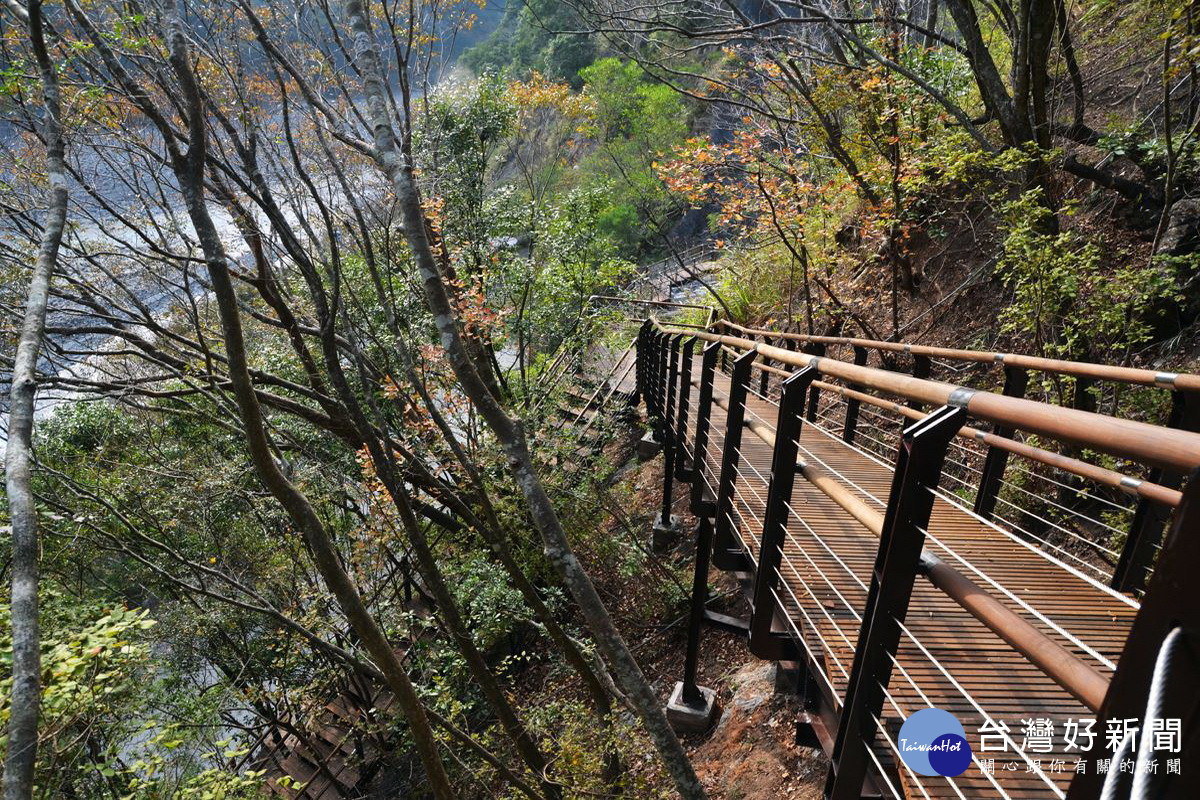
(508, 431)
(189, 168)
(26, 644)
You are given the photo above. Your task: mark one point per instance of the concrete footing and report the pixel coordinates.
(648, 447)
(664, 537)
(691, 718)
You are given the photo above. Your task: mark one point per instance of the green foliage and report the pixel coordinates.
(523, 43)
(760, 284)
(152, 774)
(953, 157)
(580, 745)
(569, 258)
(493, 606)
(90, 659)
(466, 125)
(635, 122)
(96, 667)
(1150, 152)
(154, 494)
(1066, 300)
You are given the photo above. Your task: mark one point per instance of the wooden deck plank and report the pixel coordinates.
(826, 564)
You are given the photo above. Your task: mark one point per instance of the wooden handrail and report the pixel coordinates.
(1105, 477)
(1168, 448)
(1062, 666)
(1080, 369)
(1072, 673)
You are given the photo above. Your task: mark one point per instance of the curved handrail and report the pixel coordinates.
(1102, 476)
(1167, 448)
(1065, 668)
(1079, 369)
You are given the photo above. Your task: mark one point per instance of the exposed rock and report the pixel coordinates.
(752, 752)
(1182, 235)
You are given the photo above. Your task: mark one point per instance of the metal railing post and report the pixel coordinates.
(704, 540)
(814, 394)
(726, 554)
(922, 366)
(704, 404)
(683, 406)
(660, 383)
(672, 379)
(852, 404)
(1171, 602)
(639, 363)
(671, 436)
(1150, 519)
(920, 369)
(652, 374)
(764, 376)
(1015, 381)
(765, 642)
(919, 462)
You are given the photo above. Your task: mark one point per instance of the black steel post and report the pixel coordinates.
(671, 379)
(671, 436)
(919, 462)
(704, 540)
(852, 405)
(662, 341)
(650, 374)
(814, 394)
(658, 381)
(920, 369)
(1150, 518)
(727, 554)
(765, 642)
(1171, 602)
(704, 404)
(639, 364)
(764, 376)
(922, 365)
(1015, 380)
(683, 469)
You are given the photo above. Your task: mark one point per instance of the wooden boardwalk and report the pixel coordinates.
(946, 658)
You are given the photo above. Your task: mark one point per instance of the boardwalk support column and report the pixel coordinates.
(692, 707)
(652, 442)
(666, 530)
(764, 378)
(702, 500)
(852, 404)
(1015, 380)
(1150, 518)
(641, 359)
(814, 394)
(727, 553)
(919, 462)
(683, 458)
(1171, 602)
(765, 641)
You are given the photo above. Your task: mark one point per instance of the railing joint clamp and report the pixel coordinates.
(960, 397)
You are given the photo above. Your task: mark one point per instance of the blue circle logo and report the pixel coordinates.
(933, 742)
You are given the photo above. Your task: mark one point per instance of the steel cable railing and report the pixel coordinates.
(882, 504)
(1049, 655)
(813, 607)
(1094, 534)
